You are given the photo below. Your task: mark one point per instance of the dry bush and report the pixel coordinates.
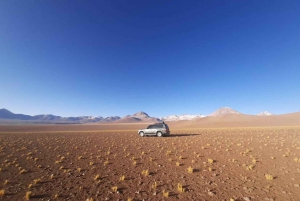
(28, 195)
(114, 188)
(145, 172)
(122, 178)
(36, 181)
(269, 177)
(153, 186)
(97, 177)
(23, 171)
(180, 188)
(165, 193)
(190, 169)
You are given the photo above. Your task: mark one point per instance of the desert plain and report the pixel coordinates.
(111, 162)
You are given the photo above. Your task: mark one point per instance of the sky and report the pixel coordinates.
(116, 57)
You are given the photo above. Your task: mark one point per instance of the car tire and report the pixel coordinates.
(159, 134)
(142, 134)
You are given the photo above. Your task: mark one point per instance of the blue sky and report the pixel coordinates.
(74, 58)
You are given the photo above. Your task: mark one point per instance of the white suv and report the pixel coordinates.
(158, 129)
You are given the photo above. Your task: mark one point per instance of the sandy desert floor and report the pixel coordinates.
(201, 164)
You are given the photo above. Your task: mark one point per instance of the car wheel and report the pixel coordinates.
(142, 134)
(159, 134)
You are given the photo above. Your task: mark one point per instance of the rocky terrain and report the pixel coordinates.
(192, 164)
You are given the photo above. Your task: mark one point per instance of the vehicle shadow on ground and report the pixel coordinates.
(181, 135)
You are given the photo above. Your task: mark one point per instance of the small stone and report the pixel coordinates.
(296, 185)
(246, 198)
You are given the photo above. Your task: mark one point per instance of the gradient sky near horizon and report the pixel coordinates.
(106, 57)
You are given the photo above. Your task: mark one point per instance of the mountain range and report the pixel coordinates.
(138, 117)
(224, 110)
(7, 116)
(265, 113)
(49, 118)
(181, 117)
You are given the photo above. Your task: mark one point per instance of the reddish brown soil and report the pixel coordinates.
(72, 127)
(233, 151)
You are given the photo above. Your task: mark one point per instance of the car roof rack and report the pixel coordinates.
(160, 123)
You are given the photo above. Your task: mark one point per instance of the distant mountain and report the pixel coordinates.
(224, 110)
(240, 120)
(49, 118)
(181, 117)
(265, 113)
(222, 115)
(6, 114)
(138, 117)
(112, 118)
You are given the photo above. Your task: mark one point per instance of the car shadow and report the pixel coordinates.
(181, 135)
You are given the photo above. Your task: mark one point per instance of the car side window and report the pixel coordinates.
(149, 127)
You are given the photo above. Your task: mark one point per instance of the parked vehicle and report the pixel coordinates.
(158, 129)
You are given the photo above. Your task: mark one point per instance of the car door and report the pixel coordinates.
(149, 130)
(154, 129)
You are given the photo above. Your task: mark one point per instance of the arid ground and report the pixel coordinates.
(192, 164)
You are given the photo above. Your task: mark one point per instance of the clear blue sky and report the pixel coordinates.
(73, 58)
